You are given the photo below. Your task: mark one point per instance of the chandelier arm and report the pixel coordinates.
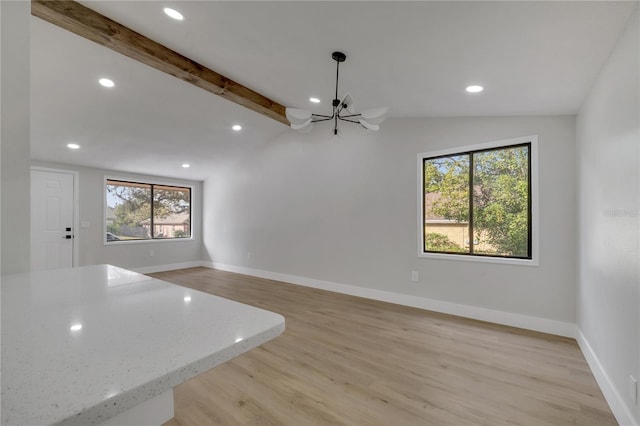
(350, 121)
(348, 116)
(322, 119)
(323, 116)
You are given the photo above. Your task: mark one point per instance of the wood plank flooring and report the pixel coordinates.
(344, 360)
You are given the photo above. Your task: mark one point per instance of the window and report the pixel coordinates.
(477, 202)
(144, 211)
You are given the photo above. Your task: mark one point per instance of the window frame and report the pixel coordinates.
(152, 183)
(532, 141)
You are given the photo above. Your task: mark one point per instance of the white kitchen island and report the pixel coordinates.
(99, 343)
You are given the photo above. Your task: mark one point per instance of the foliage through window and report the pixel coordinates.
(143, 211)
(478, 202)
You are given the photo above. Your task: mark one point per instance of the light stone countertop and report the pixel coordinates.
(82, 345)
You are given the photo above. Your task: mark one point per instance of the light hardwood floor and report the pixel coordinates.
(343, 360)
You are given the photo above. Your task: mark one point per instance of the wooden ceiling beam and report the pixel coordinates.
(87, 23)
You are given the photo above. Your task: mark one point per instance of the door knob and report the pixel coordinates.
(67, 237)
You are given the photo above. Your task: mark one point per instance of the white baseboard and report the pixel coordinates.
(616, 403)
(483, 314)
(169, 267)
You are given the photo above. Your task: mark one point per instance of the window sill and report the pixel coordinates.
(150, 241)
(480, 259)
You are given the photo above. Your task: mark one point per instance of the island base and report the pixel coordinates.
(152, 412)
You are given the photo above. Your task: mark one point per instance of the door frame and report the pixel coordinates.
(76, 205)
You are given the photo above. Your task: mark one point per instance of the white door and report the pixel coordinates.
(51, 220)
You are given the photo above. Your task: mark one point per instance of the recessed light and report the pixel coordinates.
(236, 127)
(314, 100)
(186, 165)
(172, 13)
(76, 327)
(106, 82)
(474, 89)
(187, 298)
(73, 146)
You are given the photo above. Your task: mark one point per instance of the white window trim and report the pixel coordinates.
(534, 261)
(151, 240)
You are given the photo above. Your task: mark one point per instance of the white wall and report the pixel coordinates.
(344, 210)
(15, 84)
(608, 139)
(136, 255)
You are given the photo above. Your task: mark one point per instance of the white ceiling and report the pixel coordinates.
(533, 58)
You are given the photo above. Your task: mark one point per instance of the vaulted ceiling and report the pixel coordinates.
(533, 58)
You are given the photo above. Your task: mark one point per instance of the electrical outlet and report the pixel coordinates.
(151, 253)
(633, 389)
(248, 255)
(415, 276)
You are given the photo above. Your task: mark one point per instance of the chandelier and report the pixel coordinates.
(343, 110)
